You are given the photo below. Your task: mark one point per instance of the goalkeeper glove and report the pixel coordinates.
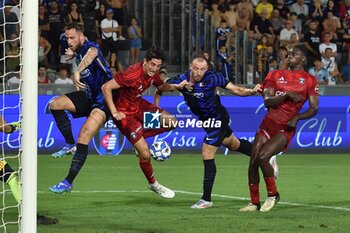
(15, 126)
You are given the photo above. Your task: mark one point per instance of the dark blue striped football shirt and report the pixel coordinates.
(95, 75)
(202, 99)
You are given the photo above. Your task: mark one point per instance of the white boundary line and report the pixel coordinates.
(214, 195)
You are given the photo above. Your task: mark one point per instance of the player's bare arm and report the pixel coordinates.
(91, 54)
(169, 87)
(242, 91)
(107, 89)
(172, 87)
(312, 111)
(271, 100)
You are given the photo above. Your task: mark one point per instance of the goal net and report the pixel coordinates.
(18, 58)
(10, 109)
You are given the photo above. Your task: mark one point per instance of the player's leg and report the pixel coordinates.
(9, 176)
(245, 147)
(92, 124)
(131, 128)
(270, 148)
(208, 153)
(253, 174)
(58, 107)
(240, 145)
(167, 120)
(169, 125)
(145, 164)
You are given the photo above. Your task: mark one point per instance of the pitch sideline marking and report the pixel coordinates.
(215, 195)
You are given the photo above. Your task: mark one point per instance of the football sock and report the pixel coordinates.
(271, 186)
(13, 182)
(78, 161)
(152, 132)
(5, 171)
(64, 125)
(245, 147)
(209, 177)
(147, 170)
(254, 194)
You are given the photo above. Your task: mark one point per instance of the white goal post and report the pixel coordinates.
(29, 25)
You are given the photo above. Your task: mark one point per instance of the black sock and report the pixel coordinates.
(245, 147)
(78, 161)
(209, 177)
(64, 125)
(5, 173)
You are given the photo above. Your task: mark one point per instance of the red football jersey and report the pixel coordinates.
(133, 82)
(282, 81)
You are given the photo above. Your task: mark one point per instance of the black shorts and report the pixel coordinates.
(215, 136)
(84, 106)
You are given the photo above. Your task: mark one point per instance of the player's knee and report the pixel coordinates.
(144, 155)
(207, 154)
(253, 160)
(234, 146)
(54, 104)
(98, 115)
(264, 156)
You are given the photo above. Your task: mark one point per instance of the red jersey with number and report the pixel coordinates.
(133, 82)
(282, 81)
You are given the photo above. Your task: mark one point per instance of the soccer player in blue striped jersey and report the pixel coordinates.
(91, 73)
(203, 101)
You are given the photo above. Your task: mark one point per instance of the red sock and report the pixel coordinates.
(254, 194)
(147, 170)
(270, 186)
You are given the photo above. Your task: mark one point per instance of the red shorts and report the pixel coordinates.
(269, 128)
(132, 125)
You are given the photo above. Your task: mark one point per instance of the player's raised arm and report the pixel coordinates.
(91, 54)
(242, 91)
(107, 89)
(172, 86)
(175, 83)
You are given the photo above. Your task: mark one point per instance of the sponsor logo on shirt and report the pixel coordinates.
(280, 93)
(281, 80)
(198, 95)
(85, 73)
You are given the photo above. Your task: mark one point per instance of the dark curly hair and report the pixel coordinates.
(154, 53)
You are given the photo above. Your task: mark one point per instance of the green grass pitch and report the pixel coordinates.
(110, 195)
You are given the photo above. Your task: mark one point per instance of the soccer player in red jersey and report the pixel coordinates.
(128, 108)
(285, 92)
